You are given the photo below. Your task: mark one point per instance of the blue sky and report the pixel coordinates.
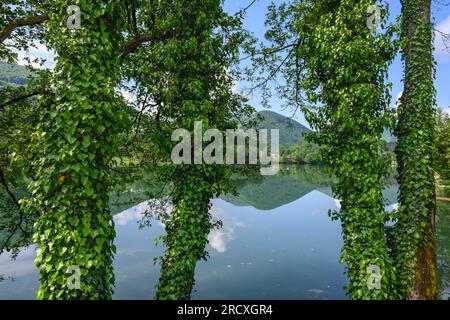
(254, 22)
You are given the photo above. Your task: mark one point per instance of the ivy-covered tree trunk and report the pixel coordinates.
(415, 240)
(334, 63)
(74, 143)
(187, 232)
(199, 89)
(346, 65)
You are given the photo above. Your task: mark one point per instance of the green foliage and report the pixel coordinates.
(15, 228)
(443, 242)
(66, 128)
(334, 68)
(442, 146)
(18, 118)
(302, 152)
(350, 124)
(21, 38)
(80, 128)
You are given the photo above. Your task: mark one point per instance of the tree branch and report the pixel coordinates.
(8, 191)
(12, 101)
(22, 22)
(445, 38)
(133, 44)
(268, 52)
(244, 10)
(272, 74)
(18, 225)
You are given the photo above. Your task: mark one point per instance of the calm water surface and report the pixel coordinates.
(277, 242)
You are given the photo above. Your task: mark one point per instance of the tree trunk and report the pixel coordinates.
(416, 243)
(424, 285)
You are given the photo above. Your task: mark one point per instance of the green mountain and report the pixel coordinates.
(291, 132)
(13, 74)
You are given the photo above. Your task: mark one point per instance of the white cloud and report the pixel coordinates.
(337, 203)
(132, 214)
(128, 95)
(220, 238)
(393, 207)
(439, 43)
(21, 266)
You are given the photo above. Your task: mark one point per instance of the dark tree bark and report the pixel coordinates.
(18, 23)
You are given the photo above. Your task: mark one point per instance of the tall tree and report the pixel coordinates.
(74, 144)
(414, 234)
(180, 81)
(197, 87)
(334, 66)
(74, 133)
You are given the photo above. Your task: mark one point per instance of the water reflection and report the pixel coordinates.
(290, 184)
(276, 243)
(219, 238)
(290, 253)
(15, 228)
(132, 214)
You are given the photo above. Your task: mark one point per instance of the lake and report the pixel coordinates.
(277, 242)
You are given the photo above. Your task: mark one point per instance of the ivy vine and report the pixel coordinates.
(414, 235)
(74, 143)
